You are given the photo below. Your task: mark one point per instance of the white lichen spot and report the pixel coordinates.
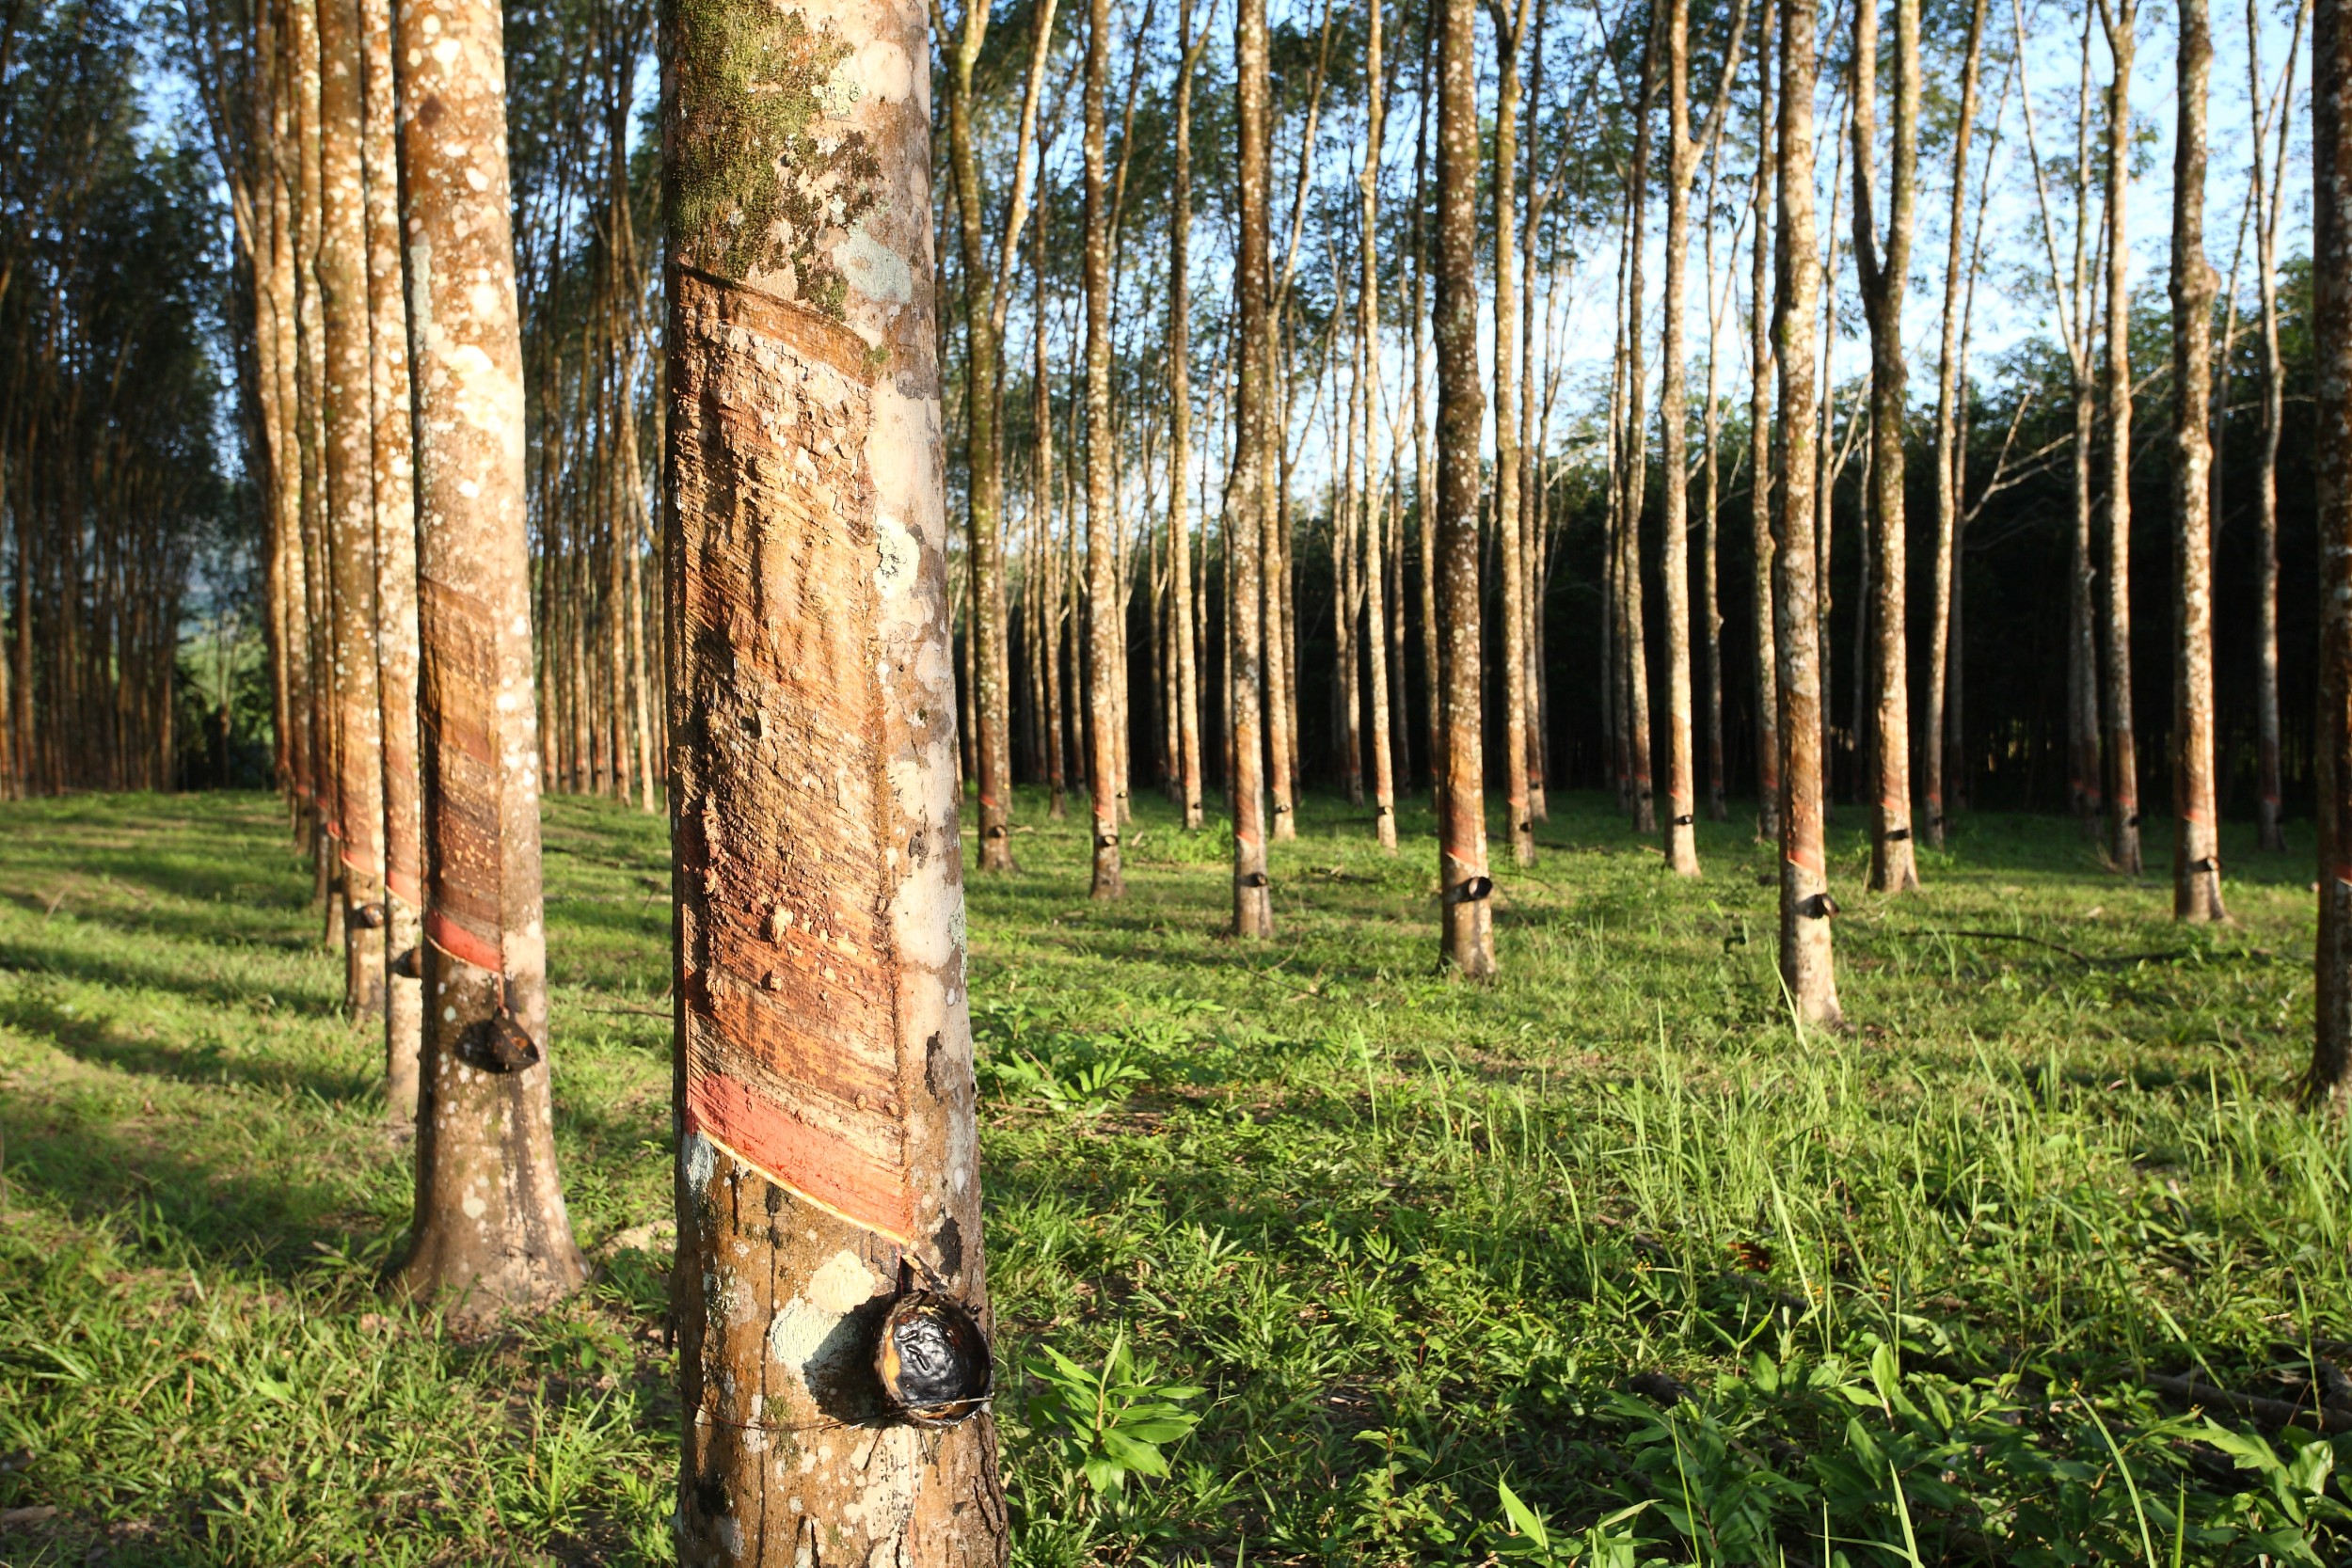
(700, 1158)
(474, 1207)
(873, 268)
(840, 90)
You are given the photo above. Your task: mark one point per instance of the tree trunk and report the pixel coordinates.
(1950, 459)
(2122, 17)
(1252, 642)
(1105, 678)
(491, 1231)
(2268, 203)
(1882, 278)
(1760, 448)
(1465, 888)
(395, 548)
(1187, 652)
(1682, 854)
(349, 420)
(2331, 313)
(1634, 645)
(1805, 906)
(1368, 332)
(825, 1097)
(1424, 454)
(2195, 840)
(1513, 606)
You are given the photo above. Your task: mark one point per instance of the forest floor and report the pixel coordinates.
(1605, 1262)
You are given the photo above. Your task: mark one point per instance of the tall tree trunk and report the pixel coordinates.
(1509, 32)
(395, 550)
(1425, 453)
(1106, 677)
(1760, 448)
(1805, 906)
(1186, 652)
(491, 1230)
(1883, 281)
(349, 417)
(2331, 321)
(2268, 203)
(1634, 645)
(985, 515)
(2195, 840)
(1950, 457)
(1245, 506)
(827, 1160)
(1465, 888)
(1274, 525)
(1368, 333)
(1682, 854)
(2122, 18)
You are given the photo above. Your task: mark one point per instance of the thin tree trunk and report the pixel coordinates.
(1465, 888)
(1181, 628)
(1883, 280)
(349, 421)
(2122, 17)
(1368, 333)
(1682, 854)
(1245, 506)
(491, 1230)
(1634, 645)
(1425, 453)
(1105, 676)
(2331, 321)
(1805, 907)
(2267, 204)
(827, 1163)
(1509, 33)
(1760, 448)
(1950, 459)
(395, 541)
(2196, 841)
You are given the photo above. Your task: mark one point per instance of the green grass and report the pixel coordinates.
(1459, 1273)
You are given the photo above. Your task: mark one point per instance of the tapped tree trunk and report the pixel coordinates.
(1465, 888)
(1188, 683)
(491, 1230)
(1881, 277)
(348, 418)
(1509, 31)
(2196, 839)
(1107, 679)
(1682, 853)
(395, 571)
(1245, 508)
(1760, 448)
(1950, 459)
(824, 1091)
(1805, 905)
(2122, 17)
(2331, 321)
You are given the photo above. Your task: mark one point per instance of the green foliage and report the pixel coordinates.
(1107, 1422)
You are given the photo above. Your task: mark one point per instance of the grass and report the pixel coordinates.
(1604, 1263)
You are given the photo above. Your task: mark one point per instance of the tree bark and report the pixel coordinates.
(1188, 683)
(1634, 645)
(1682, 854)
(1805, 907)
(1368, 332)
(348, 419)
(825, 1098)
(2332, 312)
(1760, 448)
(395, 541)
(2268, 203)
(1883, 280)
(1245, 506)
(1105, 678)
(1465, 888)
(2195, 840)
(2120, 17)
(491, 1230)
(1950, 459)
(1510, 30)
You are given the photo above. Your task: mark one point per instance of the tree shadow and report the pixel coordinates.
(98, 1040)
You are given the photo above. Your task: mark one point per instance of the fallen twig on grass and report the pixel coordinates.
(2276, 1413)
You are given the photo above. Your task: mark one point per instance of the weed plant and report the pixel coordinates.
(1300, 1252)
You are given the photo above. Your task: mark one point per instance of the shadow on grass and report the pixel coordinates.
(61, 960)
(97, 1041)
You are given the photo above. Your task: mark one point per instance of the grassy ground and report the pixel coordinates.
(1602, 1264)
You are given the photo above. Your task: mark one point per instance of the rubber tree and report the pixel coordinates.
(1882, 276)
(1464, 887)
(2121, 19)
(2331, 324)
(1105, 672)
(1805, 906)
(1184, 649)
(1761, 444)
(1510, 25)
(824, 1096)
(1246, 513)
(491, 1230)
(2196, 836)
